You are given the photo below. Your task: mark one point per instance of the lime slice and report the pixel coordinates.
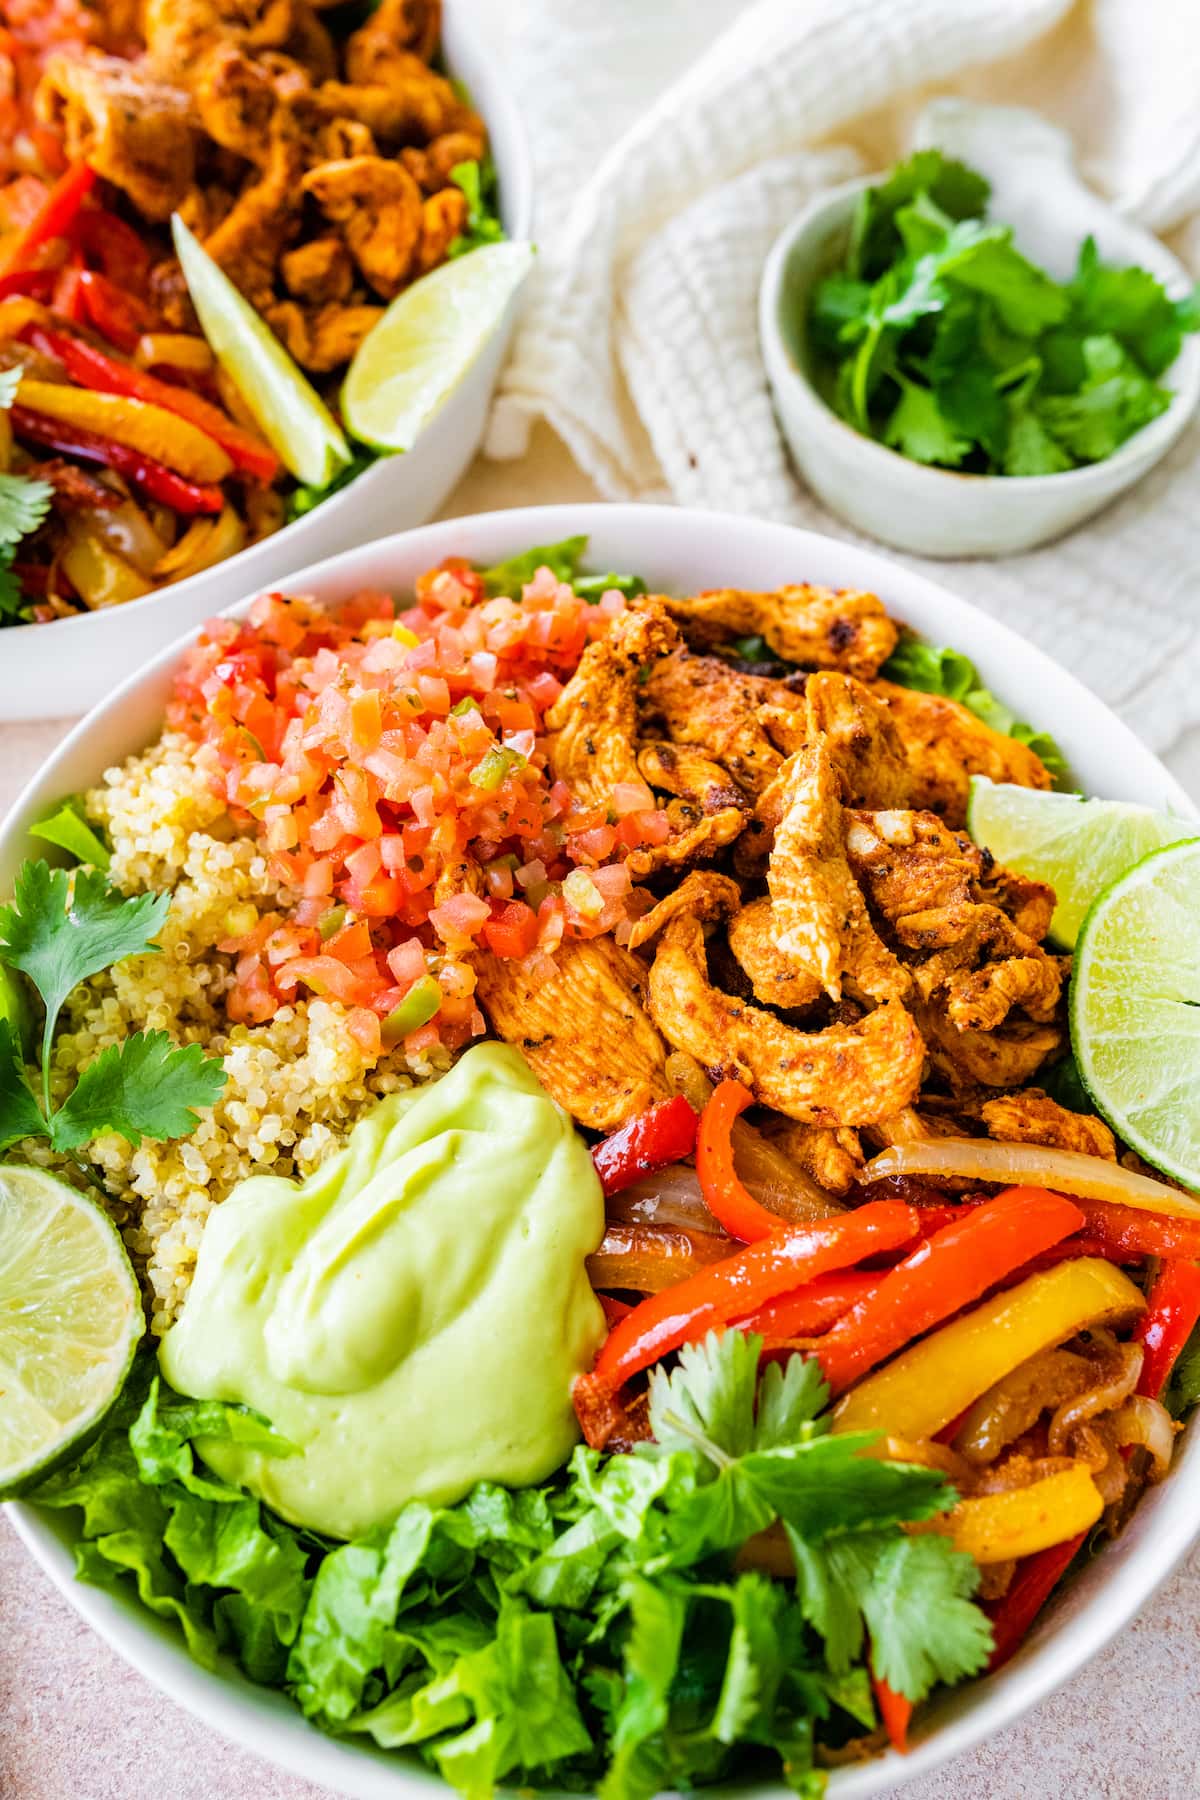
(14, 1006)
(70, 1321)
(1077, 846)
(415, 357)
(1135, 1009)
(290, 413)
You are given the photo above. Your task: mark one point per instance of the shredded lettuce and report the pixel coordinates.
(562, 560)
(594, 1631)
(937, 670)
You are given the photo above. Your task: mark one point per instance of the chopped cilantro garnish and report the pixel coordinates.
(938, 337)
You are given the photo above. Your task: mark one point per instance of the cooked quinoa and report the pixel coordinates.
(295, 1084)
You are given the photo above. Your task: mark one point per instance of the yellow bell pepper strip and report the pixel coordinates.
(926, 1387)
(942, 1275)
(91, 368)
(729, 1290)
(53, 218)
(1172, 1309)
(1013, 1614)
(1022, 1521)
(153, 430)
(99, 575)
(729, 1201)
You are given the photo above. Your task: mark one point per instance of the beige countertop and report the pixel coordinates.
(77, 1724)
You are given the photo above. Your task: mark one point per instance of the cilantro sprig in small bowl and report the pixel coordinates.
(973, 353)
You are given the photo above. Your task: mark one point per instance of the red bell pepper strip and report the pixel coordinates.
(653, 1140)
(67, 298)
(117, 315)
(93, 369)
(1172, 1309)
(810, 1309)
(106, 239)
(728, 1200)
(1036, 1578)
(145, 472)
(53, 218)
(739, 1285)
(614, 1310)
(945, 1272)
(37, 284)
(1128, 1232)
(895, 1711)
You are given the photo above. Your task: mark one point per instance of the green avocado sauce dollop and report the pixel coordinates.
(412, 1316)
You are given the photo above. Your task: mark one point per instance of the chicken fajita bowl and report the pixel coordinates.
(595, 1217)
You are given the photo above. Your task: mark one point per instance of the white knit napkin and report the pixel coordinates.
(673, 139)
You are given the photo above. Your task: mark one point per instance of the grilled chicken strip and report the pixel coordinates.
(1032, 1117)
(845, 1075)
(585, 1032)
(945, 745)
(815, 627)
(594, 720)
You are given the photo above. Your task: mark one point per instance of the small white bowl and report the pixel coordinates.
(940, 512)
(678, 551)
(59, 669)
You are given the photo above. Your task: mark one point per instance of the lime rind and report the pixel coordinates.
(70, 1322)
(1077, 846)
(414, 358)
(1135, 1008)
(289, 411)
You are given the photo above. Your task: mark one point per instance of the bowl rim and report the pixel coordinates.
(262, 1719)
(468, 47)
(785, 369)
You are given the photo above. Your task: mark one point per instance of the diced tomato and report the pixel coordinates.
(512, 930)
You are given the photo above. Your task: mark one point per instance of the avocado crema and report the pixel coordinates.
(413, 1315)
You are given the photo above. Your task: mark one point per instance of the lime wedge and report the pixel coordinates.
(14, 1006)
(1077, 846)
(70, 1321)
(1135, 1008)
(415, 357)
(290, 413)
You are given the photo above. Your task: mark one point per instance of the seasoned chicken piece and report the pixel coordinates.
(702, 702)
(594, 720)
(844, 1075)
(177, 33)
(702, 895)
(908, 1126)
(831, 1155)
(443, 218)
(396, 32)
(413, 106)
(866, 748)
(585, 1032)
(818, 912)
(465, 141)
(239, 100)
(1029, 904)
(707, 814)
(134, 130)
(777, 978)
(909, 862)
(983, 999)
(946, 744)
(1031, 1117)
(1015, 971)
(325, 337)
(1001, 1059)
(377, 206)
(263, 220)
(318, 272)
(814, 626)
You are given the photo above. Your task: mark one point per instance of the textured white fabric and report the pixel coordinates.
(673, 139)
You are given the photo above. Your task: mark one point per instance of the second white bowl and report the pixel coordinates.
(940, 512)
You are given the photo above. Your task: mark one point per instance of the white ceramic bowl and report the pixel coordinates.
(55, 671)
(940, 512)
(684, 551)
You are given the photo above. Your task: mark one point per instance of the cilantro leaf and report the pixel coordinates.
(510, 576)
(1030, 450)
(957, 190)
(914, 1594)
(1115, 400)
(709, 1395)
(145, 1086)
(12, 598)
(24, 503)
(985, 259)
(67, 828)
(20, 1114)
(919, 429)
(1131, 305)
(61, 928)
(790, 1396)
